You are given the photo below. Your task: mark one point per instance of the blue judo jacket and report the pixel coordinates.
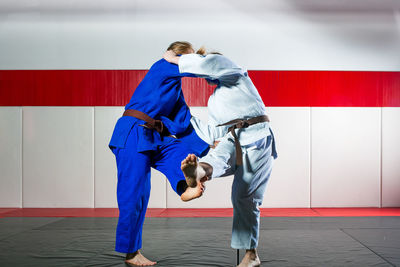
(160, 96)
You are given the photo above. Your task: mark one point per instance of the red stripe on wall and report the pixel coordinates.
(277, 88)
(68, 87)
(328, 88)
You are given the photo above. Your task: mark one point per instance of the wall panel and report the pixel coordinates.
(289, 184)
(345, 157)
(58, 157)
(105, 172)
(11, 157)
(391, 157)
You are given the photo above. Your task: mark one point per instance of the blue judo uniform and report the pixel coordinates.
(137, 148)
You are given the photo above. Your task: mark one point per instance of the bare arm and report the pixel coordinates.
(171, 57)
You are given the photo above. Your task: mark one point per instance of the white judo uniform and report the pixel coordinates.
(235, 97)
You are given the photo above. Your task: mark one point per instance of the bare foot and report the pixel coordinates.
(137, 259)
(189, 169)
(250, 259)
(192, 193)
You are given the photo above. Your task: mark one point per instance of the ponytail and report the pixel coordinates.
(202, 51)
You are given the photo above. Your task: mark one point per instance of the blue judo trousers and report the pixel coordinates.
(137, 148)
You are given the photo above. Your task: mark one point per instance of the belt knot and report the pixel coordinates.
(150, 123)
(242, 123)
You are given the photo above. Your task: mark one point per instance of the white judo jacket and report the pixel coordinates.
(235, 97)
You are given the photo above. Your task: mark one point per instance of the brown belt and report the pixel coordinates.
(151, 123)
(240, 123)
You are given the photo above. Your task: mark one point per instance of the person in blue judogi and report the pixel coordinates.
(154, 131)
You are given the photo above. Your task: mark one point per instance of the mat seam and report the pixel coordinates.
(352, 237)
(32, 229)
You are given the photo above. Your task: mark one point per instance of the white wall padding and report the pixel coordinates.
(11, 157)
(105, 172)
(391, 157)
(289, 184)
(58, 157)
(345, 157)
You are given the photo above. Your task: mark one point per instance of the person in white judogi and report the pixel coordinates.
(246, 148)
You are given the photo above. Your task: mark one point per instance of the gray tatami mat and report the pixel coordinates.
(12, 226)
(284, 241)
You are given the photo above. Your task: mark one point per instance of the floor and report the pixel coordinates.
(287, 239)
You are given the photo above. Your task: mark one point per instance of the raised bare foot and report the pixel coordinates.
(192, 193)
(137, 259)
(250, 259)
(189, 167)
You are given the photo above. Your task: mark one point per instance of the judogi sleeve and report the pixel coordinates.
(207, 132)
(179, 120)
(213, 66)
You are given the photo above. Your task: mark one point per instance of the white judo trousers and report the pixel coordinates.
(249, 183)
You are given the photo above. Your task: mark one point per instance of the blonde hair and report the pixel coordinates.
(181, 47)
(202, 51)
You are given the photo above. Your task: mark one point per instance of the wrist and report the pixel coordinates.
(175, 60)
